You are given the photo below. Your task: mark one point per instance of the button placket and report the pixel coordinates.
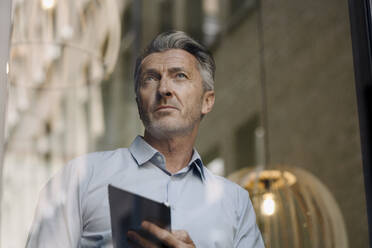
(172, 192)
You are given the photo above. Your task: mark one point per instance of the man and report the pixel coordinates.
(174, 81)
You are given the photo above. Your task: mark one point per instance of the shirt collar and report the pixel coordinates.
(142, 152)
(196, 160)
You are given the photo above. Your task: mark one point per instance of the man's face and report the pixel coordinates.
(171, 99)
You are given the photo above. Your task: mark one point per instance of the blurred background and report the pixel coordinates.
(284, 126)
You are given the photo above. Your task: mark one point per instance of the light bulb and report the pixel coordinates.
(268, 204)
(7, 68)
(48, 4)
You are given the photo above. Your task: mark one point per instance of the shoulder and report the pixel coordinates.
(227, 188)
(84, 167)
(213, 178)
(99, 159)
(91, 159)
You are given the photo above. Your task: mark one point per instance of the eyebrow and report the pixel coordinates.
(176, 69)
(171, 70)
(150, 71)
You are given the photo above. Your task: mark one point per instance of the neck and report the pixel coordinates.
(176, 149)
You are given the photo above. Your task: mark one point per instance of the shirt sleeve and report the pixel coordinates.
(57, 222)
(248, 234)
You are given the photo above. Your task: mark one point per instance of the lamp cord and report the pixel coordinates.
(264, 112)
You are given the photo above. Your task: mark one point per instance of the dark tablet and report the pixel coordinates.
(128, 210)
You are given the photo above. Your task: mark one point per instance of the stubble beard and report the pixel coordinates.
(161, 129)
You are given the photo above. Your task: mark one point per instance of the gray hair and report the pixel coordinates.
(180, 40)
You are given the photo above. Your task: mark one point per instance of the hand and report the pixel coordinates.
(175, 239)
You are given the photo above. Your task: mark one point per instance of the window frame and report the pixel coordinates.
(361, 29)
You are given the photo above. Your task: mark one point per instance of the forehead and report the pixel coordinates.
(170, 58)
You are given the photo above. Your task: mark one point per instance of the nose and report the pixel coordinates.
(165, 88)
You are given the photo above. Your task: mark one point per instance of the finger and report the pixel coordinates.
(162, 234)
(183, 236)
(140, 240)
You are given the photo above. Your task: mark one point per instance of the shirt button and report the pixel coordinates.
(159, 159)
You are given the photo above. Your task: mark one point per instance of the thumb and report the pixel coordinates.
(182, 235)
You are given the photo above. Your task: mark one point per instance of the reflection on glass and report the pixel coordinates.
(60, 53)
(211, 25)
(217, 166)
(48, 4)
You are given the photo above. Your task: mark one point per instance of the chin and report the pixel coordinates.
(167, 129)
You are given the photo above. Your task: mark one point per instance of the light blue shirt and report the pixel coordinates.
(73, 209)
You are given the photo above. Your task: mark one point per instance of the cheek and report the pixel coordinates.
(142, 107)
(195, 104)
(145, 99)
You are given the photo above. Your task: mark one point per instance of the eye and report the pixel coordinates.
(181, 75)
(149, 78)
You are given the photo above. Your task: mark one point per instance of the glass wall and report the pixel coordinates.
(282, 65)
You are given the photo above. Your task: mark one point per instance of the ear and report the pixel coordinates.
(208, 102)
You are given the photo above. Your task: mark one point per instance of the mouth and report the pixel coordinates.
(165, 107)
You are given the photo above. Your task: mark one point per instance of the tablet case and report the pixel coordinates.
(128, 210)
